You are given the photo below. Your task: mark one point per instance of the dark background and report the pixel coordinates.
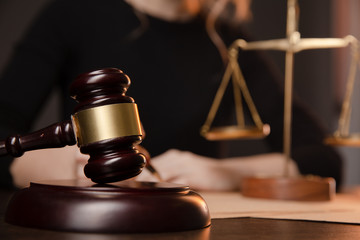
(314, 80)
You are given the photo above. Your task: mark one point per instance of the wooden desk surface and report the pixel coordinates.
(231, 228)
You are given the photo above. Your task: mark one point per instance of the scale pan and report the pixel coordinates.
(352, 140)
(236, 132)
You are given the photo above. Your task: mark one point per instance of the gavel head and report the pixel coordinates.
(107, 125)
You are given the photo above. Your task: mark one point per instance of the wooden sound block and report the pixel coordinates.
(123, 207)
(299, 189)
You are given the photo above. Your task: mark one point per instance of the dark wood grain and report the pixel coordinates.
(114, 159)
(100, 87)
(111, 160)
(220, 229)
(54, 136)
(123, 207)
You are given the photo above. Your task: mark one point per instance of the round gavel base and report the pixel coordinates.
(282, 188)
(124, 207)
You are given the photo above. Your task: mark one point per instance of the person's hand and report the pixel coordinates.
(198, 172)
(48, 164)
(51, 164)
(208, 174)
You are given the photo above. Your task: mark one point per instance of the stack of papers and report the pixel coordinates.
(344, 208)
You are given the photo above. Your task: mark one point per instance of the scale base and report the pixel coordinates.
(298, 189)
(124, 207)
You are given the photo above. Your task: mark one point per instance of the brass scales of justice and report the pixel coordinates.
(303, 188)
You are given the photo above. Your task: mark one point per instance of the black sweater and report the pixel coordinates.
(175, 71)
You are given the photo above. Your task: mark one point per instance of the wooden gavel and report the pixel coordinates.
(105, 124)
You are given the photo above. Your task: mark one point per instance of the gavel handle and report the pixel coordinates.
(54, 136)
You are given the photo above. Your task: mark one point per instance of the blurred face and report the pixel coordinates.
(170, 10)
(184, 10)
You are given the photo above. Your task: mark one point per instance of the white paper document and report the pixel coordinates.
(344, 208)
